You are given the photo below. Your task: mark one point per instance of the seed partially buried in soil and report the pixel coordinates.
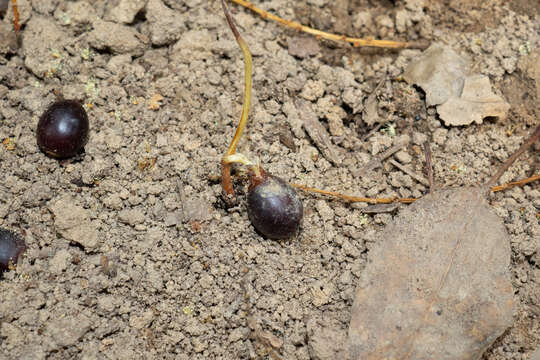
(62, 130)
(11, 248)
(274, 207)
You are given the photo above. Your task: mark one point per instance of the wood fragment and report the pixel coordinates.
(377, 162)
(409, 172)
(370, 114)
(371, 132)
(317, 132)
(380, 208)
(429, 166)
(356, 42)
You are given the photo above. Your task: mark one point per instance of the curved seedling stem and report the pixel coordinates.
(334, 37)
(16, 24)
(226, 182)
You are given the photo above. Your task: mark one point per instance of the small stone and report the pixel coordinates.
(8, 40)
(73, 223)
(161, 140)
(78, 12)
(166, 25)
(303, 46)
(40, 36)
(60, 261)
(439, 136)
(402, 21)
(142, 321)
(68, 330)
(312, 90)
(85, 234)
(403, 157)
(118, 63)
(238, 334)
(206, 281)
(131, 216)
(194, 327)
(197, 209)
(120, 39)
(324, 210)
(419, 138)
(67, 214)
(199, 345)
(113, 201)
(106, 303)
(194, 40)
(125, 11)
(321, 292)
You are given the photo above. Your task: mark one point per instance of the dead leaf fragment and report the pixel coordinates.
(370, 115)
(9, 143)
(477, 101)
(440, 72)
(154, 102)
(437, 284)
(146, 163)
(317, 132)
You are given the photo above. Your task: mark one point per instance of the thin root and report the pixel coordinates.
(354, 198)
(356, 42)
(515, 183)
(349, 198)
(524, 147)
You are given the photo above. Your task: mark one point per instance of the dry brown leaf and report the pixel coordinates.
(440, 72)
(154, 102)
(9, 143)
(437, 285)
(476, 102)
(317, 132)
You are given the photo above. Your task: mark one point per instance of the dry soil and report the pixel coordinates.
(132, 252)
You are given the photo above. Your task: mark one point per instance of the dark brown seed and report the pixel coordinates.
(274, 207)
(62, 130)
(11, 248)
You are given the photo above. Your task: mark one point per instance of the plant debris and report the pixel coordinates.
(439, 275)
(461, 98)
(477, 101)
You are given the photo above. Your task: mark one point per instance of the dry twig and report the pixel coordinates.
(356, 42)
